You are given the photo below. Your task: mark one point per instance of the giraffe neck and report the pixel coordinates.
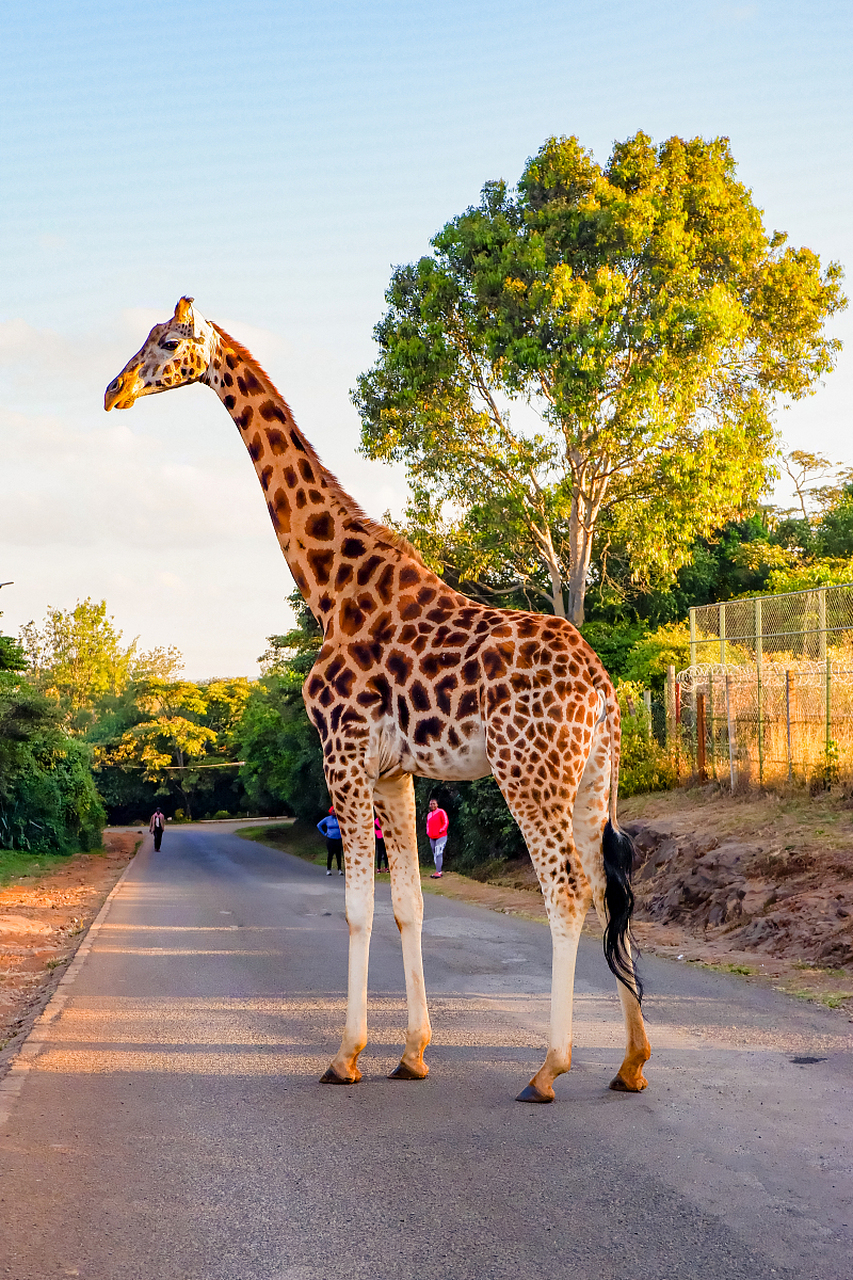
(320, 529)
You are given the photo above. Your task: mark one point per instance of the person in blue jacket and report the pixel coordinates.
(328, 827)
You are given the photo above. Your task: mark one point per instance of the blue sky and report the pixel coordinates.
(276, 161)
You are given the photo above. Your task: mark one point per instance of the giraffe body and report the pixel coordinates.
(414, 678)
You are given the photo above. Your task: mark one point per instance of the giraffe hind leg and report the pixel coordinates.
(607, 857)
(547, 831)
(614, 912)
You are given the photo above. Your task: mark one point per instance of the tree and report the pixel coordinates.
(12, 656)
(806, 471)
(77, 658)
(180, 734)
(649, 322)
(48, 800)
(279, 744)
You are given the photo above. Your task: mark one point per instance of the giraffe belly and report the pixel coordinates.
(458, 771)
(463, 762)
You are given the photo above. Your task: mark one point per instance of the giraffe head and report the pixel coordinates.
(174, 353)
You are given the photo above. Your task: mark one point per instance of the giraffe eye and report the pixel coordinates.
(168, 344)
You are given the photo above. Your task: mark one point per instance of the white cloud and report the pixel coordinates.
(157, 510)
(68, 487)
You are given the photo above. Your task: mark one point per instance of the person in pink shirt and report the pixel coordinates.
(381, 851)
(437, 823)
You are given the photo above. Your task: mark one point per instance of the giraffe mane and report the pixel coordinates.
(373, 527)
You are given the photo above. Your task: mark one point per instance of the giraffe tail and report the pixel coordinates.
(618, 855)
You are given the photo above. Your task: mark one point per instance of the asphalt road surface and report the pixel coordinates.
(171, 1126)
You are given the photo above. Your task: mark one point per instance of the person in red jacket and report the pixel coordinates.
(437, 823)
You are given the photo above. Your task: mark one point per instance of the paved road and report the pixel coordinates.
(172, 1127)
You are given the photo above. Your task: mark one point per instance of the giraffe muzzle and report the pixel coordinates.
(122, 391)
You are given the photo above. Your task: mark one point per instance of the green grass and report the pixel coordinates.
(836, 1000)
(830, 999)
(300, 838)
(16, 865)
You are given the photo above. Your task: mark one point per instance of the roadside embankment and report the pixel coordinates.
(46, 906)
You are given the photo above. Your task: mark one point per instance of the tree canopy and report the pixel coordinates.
(279, 744)
(594, 358)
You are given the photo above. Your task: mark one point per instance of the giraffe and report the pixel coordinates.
(414, 678)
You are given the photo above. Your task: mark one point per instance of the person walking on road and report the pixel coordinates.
(328, 827)
(381, 851)
(436, 824)
(156, 826)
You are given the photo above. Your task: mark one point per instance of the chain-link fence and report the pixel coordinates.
(768, 695)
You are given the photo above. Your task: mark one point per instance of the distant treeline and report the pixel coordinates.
(92, 730)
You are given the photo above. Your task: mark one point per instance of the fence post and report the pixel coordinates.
(758, 656)
(821, 622)
(700, 738)
(829, 707)
(788, 722)
(693, 636)
(711, 731)
(722, 629)
(732, 770)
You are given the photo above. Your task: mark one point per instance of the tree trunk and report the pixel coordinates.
(555, 572)
(581, 554)
(586, 503)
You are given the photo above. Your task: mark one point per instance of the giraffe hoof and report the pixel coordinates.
(403, 1072)
(532, 1094)
(331, 1077)
(618, 1085)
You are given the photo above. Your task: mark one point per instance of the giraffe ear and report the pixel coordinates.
(184, 311)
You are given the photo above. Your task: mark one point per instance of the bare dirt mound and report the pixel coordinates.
(766, 874)
(42, 922)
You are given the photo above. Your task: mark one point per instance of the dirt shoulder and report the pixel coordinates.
(759, 885)
(43, 919)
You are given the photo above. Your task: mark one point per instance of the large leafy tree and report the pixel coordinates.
(181, 737)
(77, 658)
(599, 348)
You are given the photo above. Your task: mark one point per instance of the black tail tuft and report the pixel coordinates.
(618, 852)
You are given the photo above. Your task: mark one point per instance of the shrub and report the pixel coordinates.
(48, 800)
(644, 765)
(646, 665)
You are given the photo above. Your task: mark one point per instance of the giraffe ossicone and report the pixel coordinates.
(414, 678)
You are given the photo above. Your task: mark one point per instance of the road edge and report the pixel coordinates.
(31, 1046)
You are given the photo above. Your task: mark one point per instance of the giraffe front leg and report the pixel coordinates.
(395, 800)
(354, 811)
